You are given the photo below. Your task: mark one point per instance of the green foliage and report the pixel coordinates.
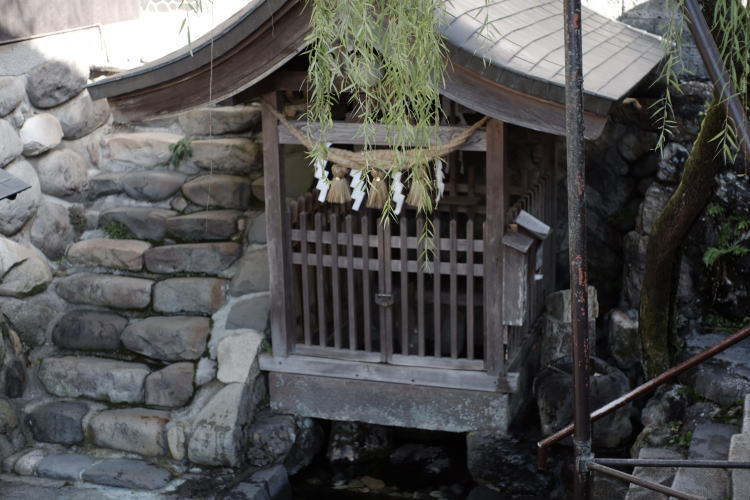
(180, 150)
(118, 231)
(734, 232)
(682, 440)
(720, 323)
(731, 19)
(196, 7)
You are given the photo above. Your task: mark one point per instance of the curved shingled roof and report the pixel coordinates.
(522, 51)
(523, 44)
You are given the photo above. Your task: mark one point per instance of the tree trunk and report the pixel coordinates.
(667, 235)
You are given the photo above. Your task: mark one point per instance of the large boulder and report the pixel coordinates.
(211, 225)
(171, 386)
(169, 338)
(143, 222)
(58, 422)
(24, 271)
(54, 82)
(230, 156)
(218, 191)
(237, 356)
(219, 430)
(136, 430)
(127, 473)
(151, 186)
(189, 295)
(10, 143)
(555, 400)
(204, 258)
(219, 120)
(95, 378)
(52, 232)
(126, 255)
(140, 150)
(252, 274)
(557, 327)
(251, 312)
(40, 133)
(89, 331)
(11, 93)
(62, 173)
(30, 317)
(81, 115)
(14, 214)
(118, 292)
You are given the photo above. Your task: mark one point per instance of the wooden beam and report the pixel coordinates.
(494, 248)
(277, 230)
(503, 103)
(394, 374)
(350, 133)
(416, 407)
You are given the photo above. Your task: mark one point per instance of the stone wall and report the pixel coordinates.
(134, 285)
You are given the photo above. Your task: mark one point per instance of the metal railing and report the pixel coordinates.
(601, 464)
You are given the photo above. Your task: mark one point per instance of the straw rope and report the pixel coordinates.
(380, 158)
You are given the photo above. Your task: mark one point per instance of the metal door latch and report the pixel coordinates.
(384, 299)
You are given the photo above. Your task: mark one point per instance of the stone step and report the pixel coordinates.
(126, 255)
(739, 450)
(710, 442)
(661, 475)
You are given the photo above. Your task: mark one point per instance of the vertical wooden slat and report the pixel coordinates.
(387, 335)
(420, 289)
(366, 301)
(436, 305)
(381, 290)
(404, 255)
(470, 289)
(319, 277)
(453, 237)
(277, 230)
(351, 294)
(306, 300)
(493, 248)
(336, 291)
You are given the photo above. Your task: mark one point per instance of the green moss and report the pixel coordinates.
(118, 231)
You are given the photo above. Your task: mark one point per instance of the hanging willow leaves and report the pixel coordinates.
(387, 58)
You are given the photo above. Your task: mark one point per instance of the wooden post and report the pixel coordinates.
(493, 249)
(277, 230)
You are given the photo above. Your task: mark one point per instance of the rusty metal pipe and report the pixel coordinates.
(643, 389)
(700, 464)
(576, 181)
(711, 57)
(643, 482)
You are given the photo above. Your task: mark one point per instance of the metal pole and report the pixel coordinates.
(577, 245)
(644, 483)
(656, 462)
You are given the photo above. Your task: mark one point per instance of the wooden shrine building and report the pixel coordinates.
(361, 328)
